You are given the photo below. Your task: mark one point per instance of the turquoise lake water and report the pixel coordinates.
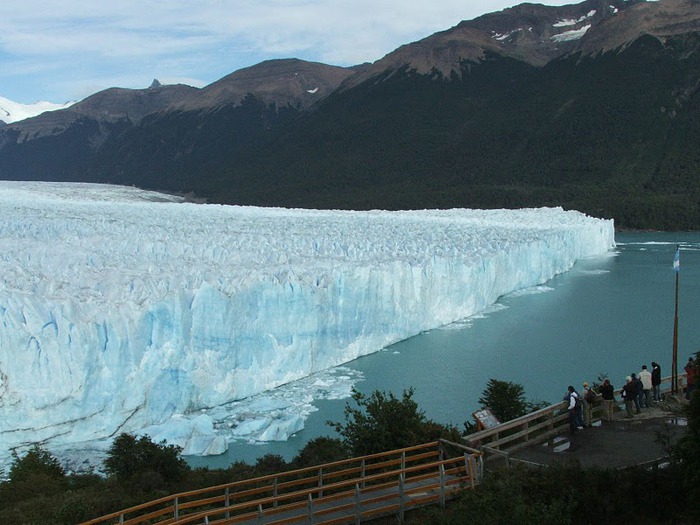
(608, 315)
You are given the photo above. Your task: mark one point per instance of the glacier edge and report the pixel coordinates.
(119, 311)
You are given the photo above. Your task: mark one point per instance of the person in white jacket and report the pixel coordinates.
(645, 378)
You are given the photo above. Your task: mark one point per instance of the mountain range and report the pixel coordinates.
(593, 106)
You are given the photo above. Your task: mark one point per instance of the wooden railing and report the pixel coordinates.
(537, 427)
(345, 491)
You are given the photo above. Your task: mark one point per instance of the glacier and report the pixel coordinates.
(123, 310)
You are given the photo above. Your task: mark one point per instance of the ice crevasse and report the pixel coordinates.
(121, 308)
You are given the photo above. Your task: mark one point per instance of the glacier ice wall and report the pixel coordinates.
(121, 309)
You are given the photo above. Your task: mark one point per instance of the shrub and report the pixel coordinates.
(383, 422)
(130, 458)
(270, 464)
(319, 451)
(506, 400)
(36, 462)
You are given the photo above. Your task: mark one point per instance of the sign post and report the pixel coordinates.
(674, 370)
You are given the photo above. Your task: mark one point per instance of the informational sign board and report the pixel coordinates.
(485, 419)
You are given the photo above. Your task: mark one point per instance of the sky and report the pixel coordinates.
(65, 50)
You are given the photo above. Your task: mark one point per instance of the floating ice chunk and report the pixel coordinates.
(251, 427)
(196, 436)
(281, 429)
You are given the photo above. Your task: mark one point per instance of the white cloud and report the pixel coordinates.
(56, 50)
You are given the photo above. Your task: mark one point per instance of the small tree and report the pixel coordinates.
(320, 450)
(36, 462)
(383, 422)
(36, 474)
(506, 400)
(130, 457)
(380, 423)
(270, 464)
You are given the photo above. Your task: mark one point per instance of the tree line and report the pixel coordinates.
(38, 490)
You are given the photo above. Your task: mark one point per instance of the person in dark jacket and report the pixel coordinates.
(629, 392)
(575, 402)
(638, 392)
(607, 392)
(656, 381)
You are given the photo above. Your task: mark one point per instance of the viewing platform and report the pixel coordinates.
(618, 443)
(542, 438)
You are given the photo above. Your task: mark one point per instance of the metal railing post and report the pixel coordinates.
(274, 492)
(443, 496)
(227, 501)
(311, 509)
(358, 507)
(320, 482)
(550, 440)
(362, 472)
(401, 498)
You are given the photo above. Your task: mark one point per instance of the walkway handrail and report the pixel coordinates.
(309, 488)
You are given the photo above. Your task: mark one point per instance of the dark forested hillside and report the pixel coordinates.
(600, 134)
(608, 124)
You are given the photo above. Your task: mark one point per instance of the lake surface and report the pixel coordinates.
(608, 315)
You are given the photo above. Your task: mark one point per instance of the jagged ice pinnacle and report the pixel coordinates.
(122, 309)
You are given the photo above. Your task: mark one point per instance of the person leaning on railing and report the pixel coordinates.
(607, 391)
(629, 394)
(656, 380)
(589, 397)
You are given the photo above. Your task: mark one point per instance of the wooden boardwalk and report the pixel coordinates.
(349, 491)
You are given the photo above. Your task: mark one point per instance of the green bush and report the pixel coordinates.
(569, 495)
(506, 400)
(36, 462)
(140, 459)
(319, 451)
(383, 422)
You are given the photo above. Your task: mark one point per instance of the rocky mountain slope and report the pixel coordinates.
(593, 106)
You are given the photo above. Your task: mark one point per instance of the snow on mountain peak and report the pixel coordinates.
(574, 34)
(572, 22)
(15, 111)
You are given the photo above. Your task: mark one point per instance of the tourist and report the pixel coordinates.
(607, 391)
(629, 394)
(637, 389)
(574, 409)
(656, 380)
(690, 377)
(645, 379)
(589, 396)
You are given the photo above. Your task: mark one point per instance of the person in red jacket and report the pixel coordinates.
(691, 378)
